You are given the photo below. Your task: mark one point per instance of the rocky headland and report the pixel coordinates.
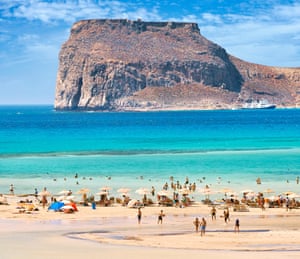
(124, 65)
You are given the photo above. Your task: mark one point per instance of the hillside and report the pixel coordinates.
(136, 65)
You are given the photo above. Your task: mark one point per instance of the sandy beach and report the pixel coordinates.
(113, 232)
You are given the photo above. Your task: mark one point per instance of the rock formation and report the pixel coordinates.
(136, 65)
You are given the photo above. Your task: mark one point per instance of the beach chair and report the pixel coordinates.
(240, 208)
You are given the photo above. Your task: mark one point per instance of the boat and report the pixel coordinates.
(259, 104)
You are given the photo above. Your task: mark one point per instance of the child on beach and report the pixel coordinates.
(160, 217)
(197, 224)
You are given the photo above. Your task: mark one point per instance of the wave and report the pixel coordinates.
(149, 152)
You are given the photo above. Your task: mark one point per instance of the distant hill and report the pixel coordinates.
(135, 65)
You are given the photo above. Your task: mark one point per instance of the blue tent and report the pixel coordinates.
(56, 206)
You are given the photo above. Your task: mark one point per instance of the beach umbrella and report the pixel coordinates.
(64, 192)
(65, 197)
(56, 206)
(66, 202)
(184, 191)
(123, 190)
(70, 197)
(225, 190)
(294, 195)
(132, 203)
(83, 191)
(68, 209)
(288, 193)
(102, 193)
(232, 193)
(250, 195)
(268, 191)
(70, 203)
(164, 193)
(246, 191)
(61, 198)
(273, 198)
(142, 191)
(206, 192)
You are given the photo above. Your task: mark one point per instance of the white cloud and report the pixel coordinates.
(237, 33)
(264, 38)
(143, 14)
(287, 11)
(212, 18)
(70, 11)
(48, 12)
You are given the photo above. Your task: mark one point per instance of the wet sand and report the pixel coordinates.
(114, 232)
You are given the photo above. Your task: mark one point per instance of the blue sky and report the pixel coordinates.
(32, 32)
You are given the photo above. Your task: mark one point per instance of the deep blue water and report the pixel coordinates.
(37, 142)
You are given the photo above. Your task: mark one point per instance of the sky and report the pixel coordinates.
(32, 31)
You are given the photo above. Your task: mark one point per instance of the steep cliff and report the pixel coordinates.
(135, 65)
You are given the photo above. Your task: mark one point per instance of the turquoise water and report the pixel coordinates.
(40, 147)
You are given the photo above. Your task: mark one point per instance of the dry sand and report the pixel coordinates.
(113, 232)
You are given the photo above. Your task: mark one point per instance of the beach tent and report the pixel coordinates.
(134, 204)
(68, 209)
(56, 206)
(73, 204)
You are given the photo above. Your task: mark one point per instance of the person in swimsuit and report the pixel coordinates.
(197, 224)
(139, 215)
(237, 226)
(213, 213)
(160, 217)
(203, 226)
(11, 189)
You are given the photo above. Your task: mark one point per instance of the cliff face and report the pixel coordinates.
(135, 65)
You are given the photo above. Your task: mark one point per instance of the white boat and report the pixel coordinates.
(259, 104)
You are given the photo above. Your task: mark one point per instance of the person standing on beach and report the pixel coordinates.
(153, 191)
(44, 197)
(160, 217)
(139, 215)
(213, 213)
(197, 224)
(237, 226)
(258, 180)
(36, 193)
(12, 189)
(203, 226)
(287, 203)
(226, 215)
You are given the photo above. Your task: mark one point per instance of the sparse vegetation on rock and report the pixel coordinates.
(136, 65)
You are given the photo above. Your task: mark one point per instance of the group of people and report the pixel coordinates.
(197, 223)
(161, 215)
(201, 224)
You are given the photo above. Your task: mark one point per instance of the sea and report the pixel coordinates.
(60, 150)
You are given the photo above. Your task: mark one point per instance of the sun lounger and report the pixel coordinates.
(240, 208)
